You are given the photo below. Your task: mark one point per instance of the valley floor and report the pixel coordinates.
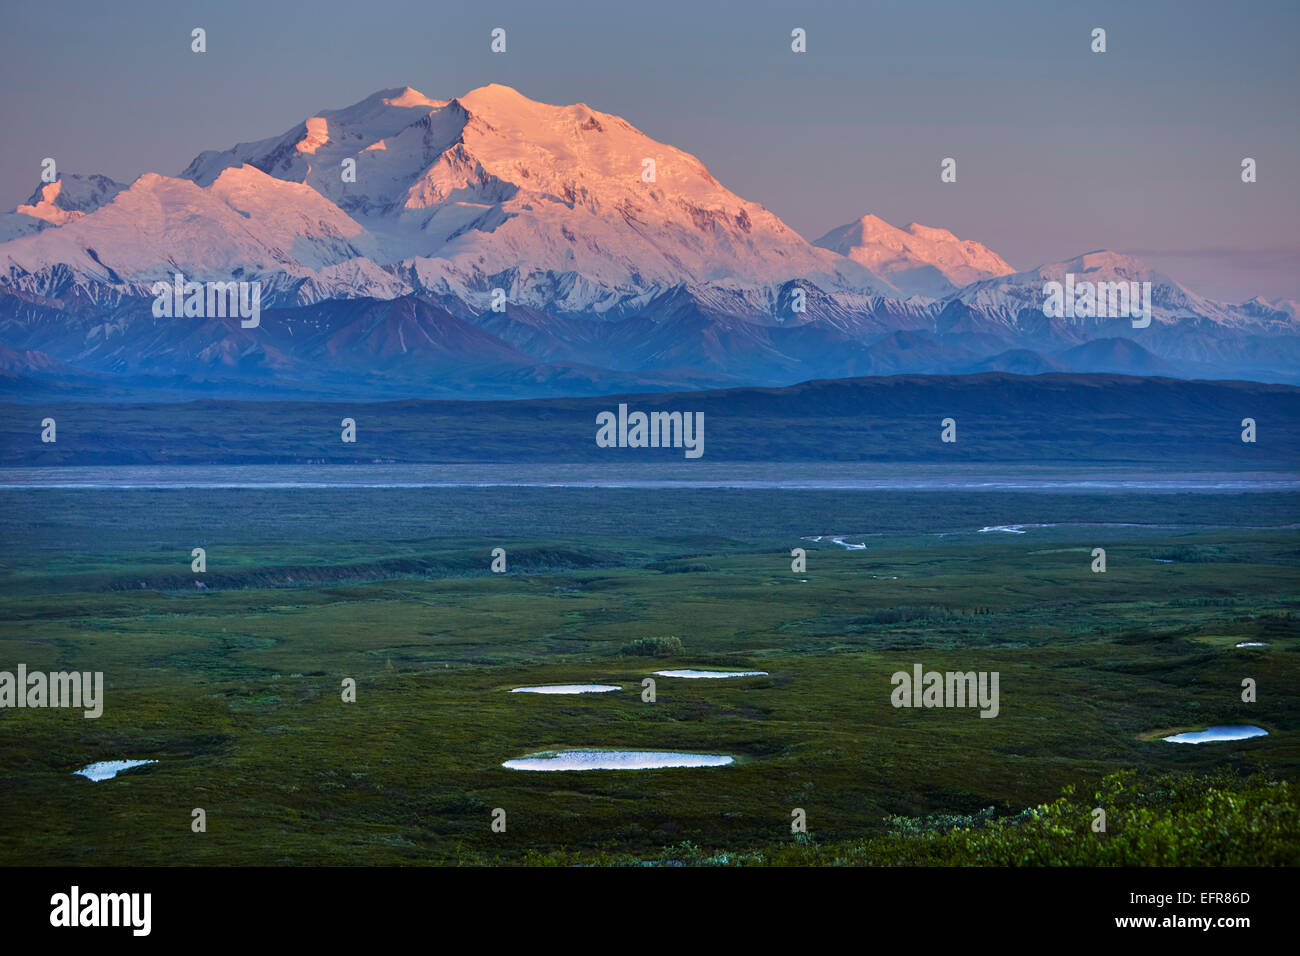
(236, 687)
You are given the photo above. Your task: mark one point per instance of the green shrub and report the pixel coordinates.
(1152, 819)
(1163, 819)
(653, 647)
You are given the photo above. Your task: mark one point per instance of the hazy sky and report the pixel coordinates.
(1059, 150)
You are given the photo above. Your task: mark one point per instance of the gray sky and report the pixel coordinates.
(1060, 151)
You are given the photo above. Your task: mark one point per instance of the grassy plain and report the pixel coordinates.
(235, 687)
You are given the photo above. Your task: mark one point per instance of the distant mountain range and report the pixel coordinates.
(621, 264)
(1122, 422)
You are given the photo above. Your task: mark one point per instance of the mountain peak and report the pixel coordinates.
(245, 176)
(918, 260)
(69, 197)
(408, 96)
(506, 106)
(1104, 263)
(873, 225)
(494, 92)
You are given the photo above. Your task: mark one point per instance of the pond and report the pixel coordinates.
(615, 760)
(108, 769)
(568, 689)
(1216, 734)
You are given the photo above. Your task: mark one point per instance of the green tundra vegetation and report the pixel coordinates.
(231, 679)
(1154, 819)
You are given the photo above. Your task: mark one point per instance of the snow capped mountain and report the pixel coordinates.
(578, 174)
(55, 204)
(380, 232)
(312, 151)
(918, 260)
(564, 207)
(493, 189)
(244, 225)
(1005, 297)
(69, 197)
(1187, 331)
(1269, 310)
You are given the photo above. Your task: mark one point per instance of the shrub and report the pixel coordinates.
(653, 647)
